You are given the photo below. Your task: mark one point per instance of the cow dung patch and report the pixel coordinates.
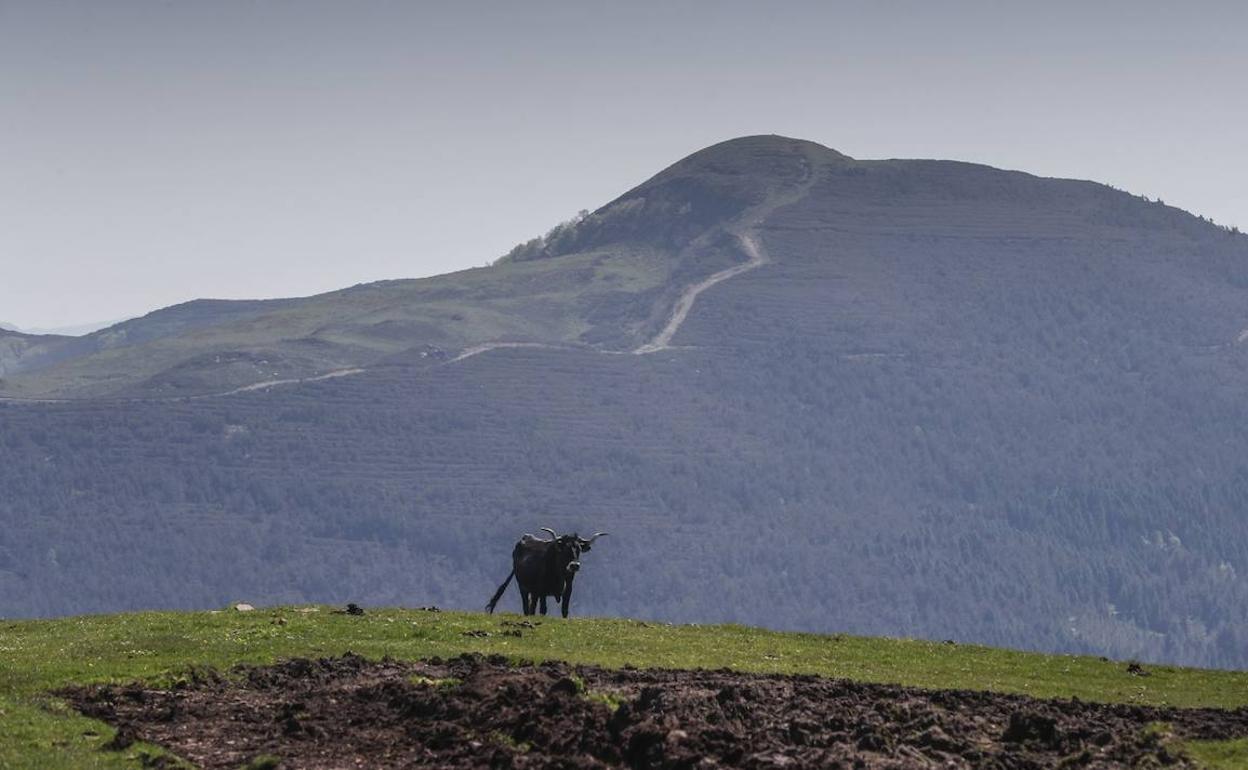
(478, 712)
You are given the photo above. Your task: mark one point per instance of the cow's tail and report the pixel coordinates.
(499, 593)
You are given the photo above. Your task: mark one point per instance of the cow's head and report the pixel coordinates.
(568, 554)
(568, 549)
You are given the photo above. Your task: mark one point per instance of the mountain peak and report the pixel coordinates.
(750, 150)
(685, 200)
(763, 162)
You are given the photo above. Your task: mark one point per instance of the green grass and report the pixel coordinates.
(1219, 754)
(609, 699)
(39, 656)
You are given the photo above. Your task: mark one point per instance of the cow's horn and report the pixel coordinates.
(596, 536)
(553, 533)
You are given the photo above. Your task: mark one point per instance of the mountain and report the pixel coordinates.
(19, 350)
(617, 274)
(899, 397)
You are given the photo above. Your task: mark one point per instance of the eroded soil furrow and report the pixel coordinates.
(474, 712)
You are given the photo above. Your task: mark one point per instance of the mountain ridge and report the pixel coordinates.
(680, 209)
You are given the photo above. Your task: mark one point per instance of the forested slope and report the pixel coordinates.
(958, 403)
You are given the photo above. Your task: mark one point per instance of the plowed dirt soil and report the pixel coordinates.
(474, 711)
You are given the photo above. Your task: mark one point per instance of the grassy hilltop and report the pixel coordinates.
(39, 656)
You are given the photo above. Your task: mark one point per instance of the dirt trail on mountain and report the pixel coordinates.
(754, 250)
(488, 346)
(744, 230)
(195, 397)
(278, 383)
(662, 341)
(473, 712)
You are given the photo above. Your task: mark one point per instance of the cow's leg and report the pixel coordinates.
(542, 603)
(524, 602)
(567, 599)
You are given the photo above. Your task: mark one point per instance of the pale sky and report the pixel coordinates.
(155, 152)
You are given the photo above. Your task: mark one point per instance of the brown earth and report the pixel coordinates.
(474, 711)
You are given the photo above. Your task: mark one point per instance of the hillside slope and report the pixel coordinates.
(19, 350)
(954, 402)
(607, 281)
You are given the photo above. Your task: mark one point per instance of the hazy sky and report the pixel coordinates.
(154, 152)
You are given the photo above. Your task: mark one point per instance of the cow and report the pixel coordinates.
(545, 568)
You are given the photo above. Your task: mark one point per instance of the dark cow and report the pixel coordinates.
(545, 568)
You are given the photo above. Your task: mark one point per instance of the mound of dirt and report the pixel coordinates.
(475, 711)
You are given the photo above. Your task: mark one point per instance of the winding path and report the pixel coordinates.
(275, 383)
(744, 230)
(195, 397)
(663, 340)
(485, 347)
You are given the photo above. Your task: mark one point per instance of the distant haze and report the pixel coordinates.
(74, 330)
(155, 152)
